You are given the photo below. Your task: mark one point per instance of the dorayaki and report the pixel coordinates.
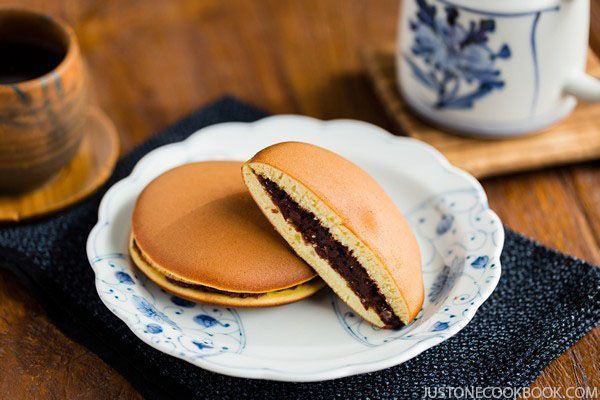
(339, 220)
(197, 233)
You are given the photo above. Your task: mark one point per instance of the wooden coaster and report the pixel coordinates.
(90, 168)
(575, 139)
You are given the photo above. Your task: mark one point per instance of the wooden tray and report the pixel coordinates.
(575, 139)
(89, 169)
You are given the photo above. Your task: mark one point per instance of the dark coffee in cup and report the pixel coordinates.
(42, 98)
(23, 60)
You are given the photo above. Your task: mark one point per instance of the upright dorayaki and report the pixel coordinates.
(197, 233)
(340, 221)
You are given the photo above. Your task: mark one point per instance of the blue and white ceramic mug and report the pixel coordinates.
(494, 68)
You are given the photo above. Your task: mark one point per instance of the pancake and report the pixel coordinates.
(339, 220)
(197, 233)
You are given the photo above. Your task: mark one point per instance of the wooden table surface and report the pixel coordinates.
(154, 61)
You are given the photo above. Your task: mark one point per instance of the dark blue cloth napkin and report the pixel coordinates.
(545, 301)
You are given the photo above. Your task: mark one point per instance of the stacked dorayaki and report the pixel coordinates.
(199, 231)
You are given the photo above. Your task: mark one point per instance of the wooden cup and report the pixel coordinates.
(41, 119)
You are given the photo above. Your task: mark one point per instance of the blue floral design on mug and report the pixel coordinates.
(457, 61)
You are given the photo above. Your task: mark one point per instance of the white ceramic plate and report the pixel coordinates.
(318, 338)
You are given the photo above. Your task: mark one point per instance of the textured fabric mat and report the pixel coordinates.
(545, 301)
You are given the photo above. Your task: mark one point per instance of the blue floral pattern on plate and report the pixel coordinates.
(455, 229)
(456, 235)
(452, 58)
(182, 325)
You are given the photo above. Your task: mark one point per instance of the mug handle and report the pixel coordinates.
(584, 87)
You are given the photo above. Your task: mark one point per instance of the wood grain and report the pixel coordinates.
(575, 139)
(40, 119)
(155, 61)
(91, 166)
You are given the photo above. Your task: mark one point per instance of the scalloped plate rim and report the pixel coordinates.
(331, 373)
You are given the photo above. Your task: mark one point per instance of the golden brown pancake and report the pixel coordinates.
(197, 233)
(340, 221)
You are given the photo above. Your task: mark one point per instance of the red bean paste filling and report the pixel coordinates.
(339, 257)
(197, 286)
(209, 289)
